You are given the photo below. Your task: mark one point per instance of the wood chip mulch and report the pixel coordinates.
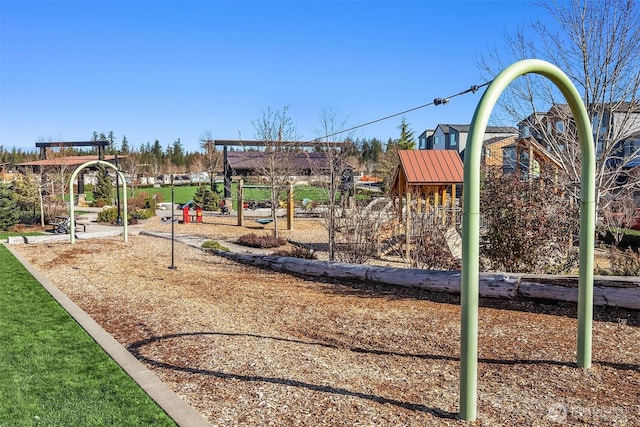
(251, 347)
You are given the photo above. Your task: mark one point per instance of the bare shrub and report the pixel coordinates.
(297, 252)
(622, 263)
(265, 241)
(429, 248)
(356, 234)
(527, 226)
(617, 215)
(53, 207)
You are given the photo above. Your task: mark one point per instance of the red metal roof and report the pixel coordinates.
(432, 166)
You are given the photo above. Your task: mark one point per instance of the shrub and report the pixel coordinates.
(212, 244)
(52, 208)
(355, 232)
(430, 249)
(142, 214)
(108, 215)
(297, 252)
(622, 263)
(527, 226)
(9, 210)
(266, 241)
(99, 203)
(139, 201)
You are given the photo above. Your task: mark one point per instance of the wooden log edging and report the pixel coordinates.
(613, 291)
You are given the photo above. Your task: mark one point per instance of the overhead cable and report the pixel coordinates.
(435, 102)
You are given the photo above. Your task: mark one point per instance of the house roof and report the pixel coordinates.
(431, 166)
(254, 160)
(497, 139)
(540, 151)
(67, 161)
(490, 129)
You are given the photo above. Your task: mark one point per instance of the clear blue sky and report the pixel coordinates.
(167, 69)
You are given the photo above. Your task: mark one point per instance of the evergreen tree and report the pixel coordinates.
(124, 147)
(103, 189)
(156, 151)
(112, 139)
(9, 209)
(376, 149)
(205, 197)
(407, 141)
(177, 154)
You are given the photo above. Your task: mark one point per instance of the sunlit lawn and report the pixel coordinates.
(52, 372)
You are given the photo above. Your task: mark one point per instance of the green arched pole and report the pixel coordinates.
(75, 173)
(471, 224)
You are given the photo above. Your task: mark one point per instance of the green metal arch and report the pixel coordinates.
(471, 224)
(75, 173)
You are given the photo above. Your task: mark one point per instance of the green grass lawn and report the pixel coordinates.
(52, 372)
(184, 193)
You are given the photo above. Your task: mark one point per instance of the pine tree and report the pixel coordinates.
(9, 209)
(124, 147)
(205, 197)
(103, 190)
(407, 141)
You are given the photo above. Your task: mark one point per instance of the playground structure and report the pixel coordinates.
(425, 187)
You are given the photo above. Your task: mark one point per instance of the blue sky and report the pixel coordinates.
(167, 70)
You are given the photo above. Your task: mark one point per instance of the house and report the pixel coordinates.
(497, 153)
(619, 122)
(615, 129)
(454, 137)
(313, 163)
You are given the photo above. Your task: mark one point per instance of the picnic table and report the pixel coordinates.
(62, 224)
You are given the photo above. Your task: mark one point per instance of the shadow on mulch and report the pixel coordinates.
(136, 347)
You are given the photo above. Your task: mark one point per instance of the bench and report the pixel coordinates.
(55, 225)
(59, 227)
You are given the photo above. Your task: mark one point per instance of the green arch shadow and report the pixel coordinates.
(471, 224)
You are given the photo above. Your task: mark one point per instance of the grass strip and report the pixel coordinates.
(52, 371)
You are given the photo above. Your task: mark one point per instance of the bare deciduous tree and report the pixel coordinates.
(597, 45)
(277, 132)
(131, 164)
(335, 161)
(212, 159)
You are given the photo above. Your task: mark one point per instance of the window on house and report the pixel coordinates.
(525, 131)
(453, 141)
(436, 141)
(509, 159)
(559, 126)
